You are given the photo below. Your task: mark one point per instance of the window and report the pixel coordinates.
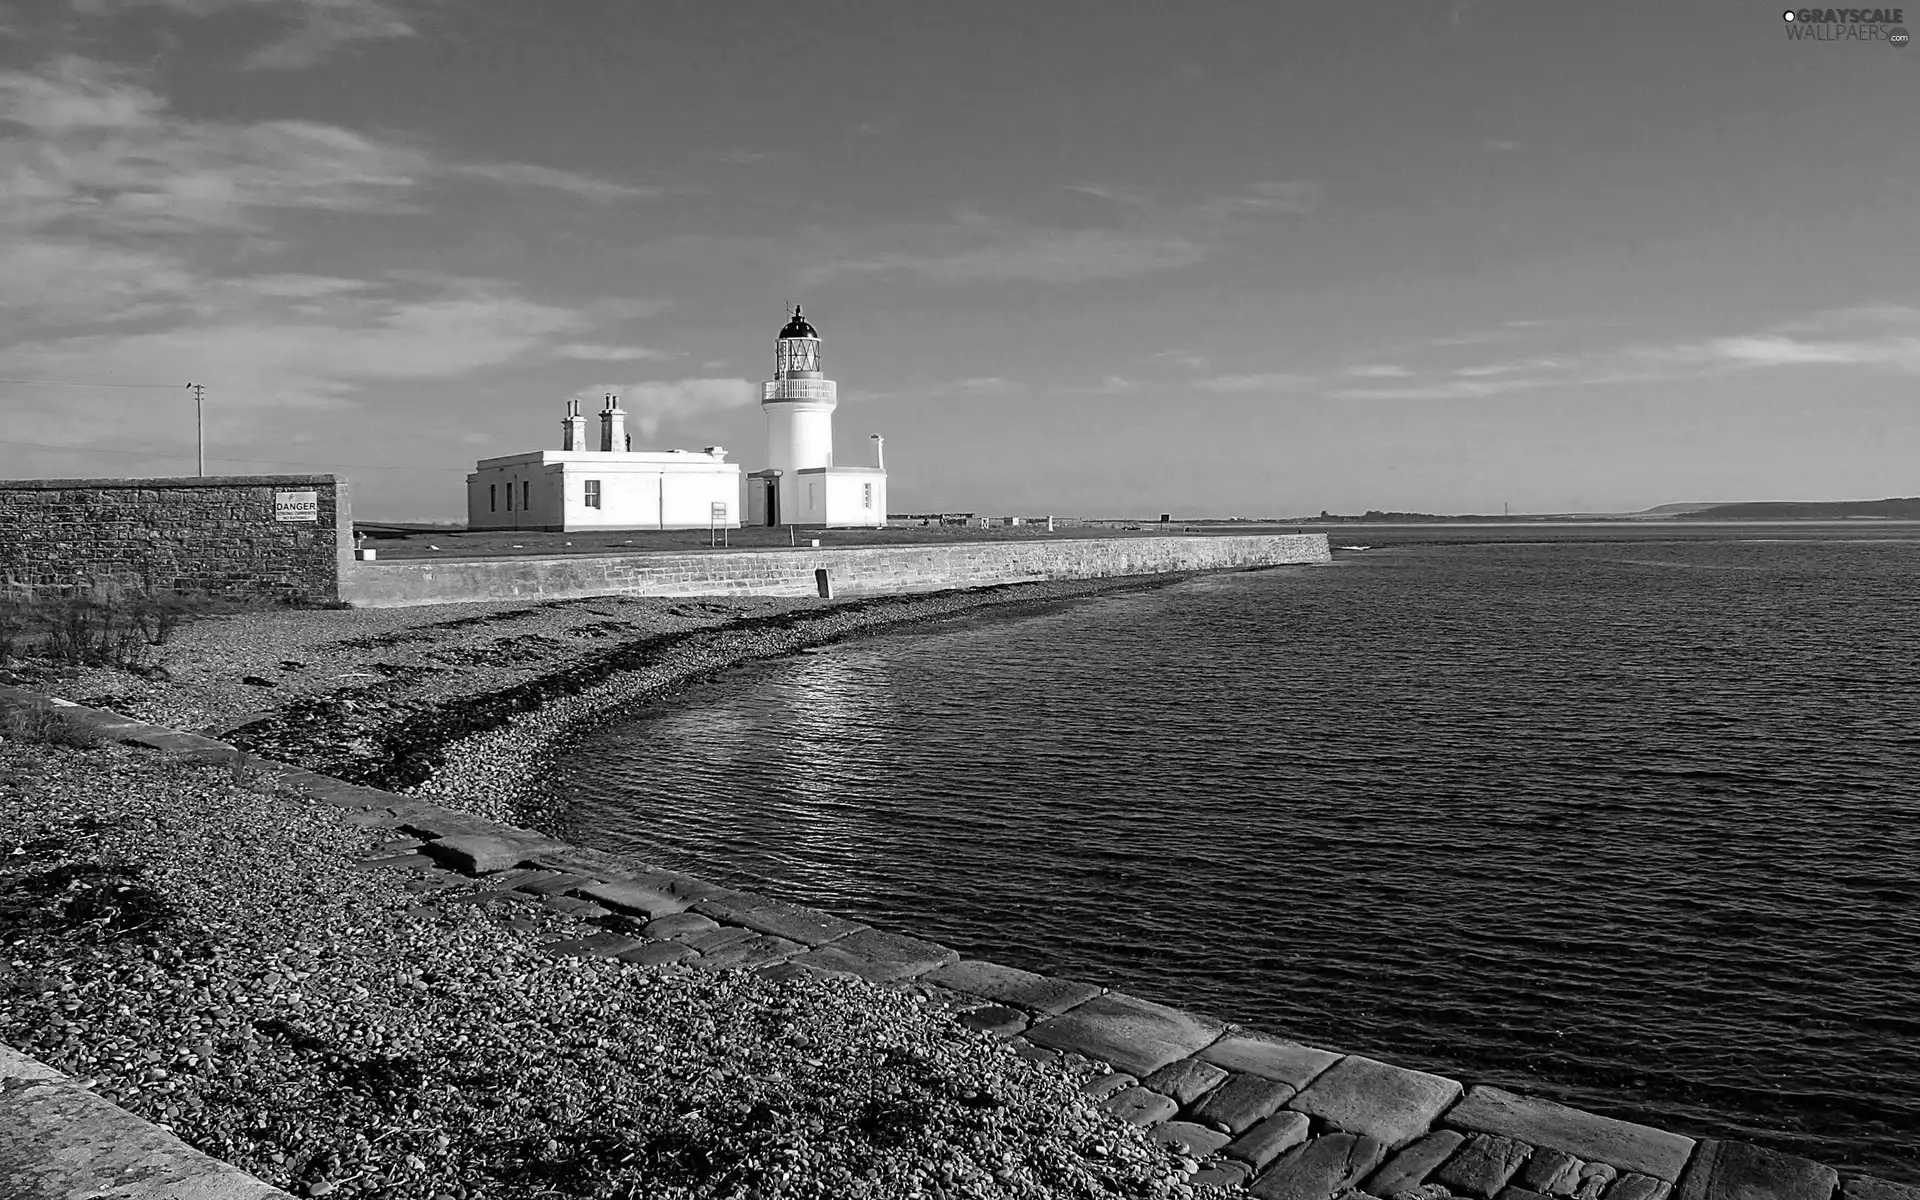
(509, 495)
(866, 495)
(526, 494)
(593, 493)
(813, 496)
(493, 497)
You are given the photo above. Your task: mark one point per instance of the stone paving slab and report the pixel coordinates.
(674, 924)
(1639, 1187)
(1484, 1165)
(718, 938)
(1242, 1101)
(1321, 1168)
(1186, 1080)
(1552, 1172)
(1269, 1139)
(1543, 1123)
(1410, 1167)
(59, 1141)
(798, 924)
(996, 1019)
(873, 954)
(1595, 1178)
(758, 950)
(1107, 1085)
(1392, 1104)
(1866, 1187)
(1736, 1171)
(553, 883)
(1140, 1106)
(1185, 1137)
(640, 899)
(1221, 1172)
(1136, 1036)
(1041, 994)
(1270, 1058)
(481, 854)
(654, 954)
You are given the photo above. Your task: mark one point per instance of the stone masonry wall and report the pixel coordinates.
(864, 570)
(214, 534)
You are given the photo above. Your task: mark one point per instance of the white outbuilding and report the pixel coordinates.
(574, 489)
(802, 485)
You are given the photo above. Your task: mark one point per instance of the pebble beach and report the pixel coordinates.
(215, 955)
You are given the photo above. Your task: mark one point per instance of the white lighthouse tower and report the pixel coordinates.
(801, 485)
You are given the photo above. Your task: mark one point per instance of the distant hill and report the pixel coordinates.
(1903, 509)
(1677, 510)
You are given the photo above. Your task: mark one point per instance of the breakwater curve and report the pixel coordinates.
(850, 571)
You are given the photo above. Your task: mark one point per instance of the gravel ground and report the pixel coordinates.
(205, 951)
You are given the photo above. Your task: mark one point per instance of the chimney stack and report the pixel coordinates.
(879, 444)
(573, 430)
(613, 425)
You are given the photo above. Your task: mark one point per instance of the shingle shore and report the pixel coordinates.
(1318, 1122)
(214, 957)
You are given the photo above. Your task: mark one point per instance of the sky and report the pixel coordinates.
(1254, 258)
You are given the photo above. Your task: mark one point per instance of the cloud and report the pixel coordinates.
(1455, 389)
(982, 385)
(100, 153)
(584, 187)
(1270, 382)
(653, 402)
(1779, 350)
(309, 30)
(1881, 336)
(1511, 367)
(976, 247)
(1380, 371)
(310, 344)
(137, 245)
(599, 352)
(1504, 147)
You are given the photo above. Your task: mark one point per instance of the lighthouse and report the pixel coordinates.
(801, 485)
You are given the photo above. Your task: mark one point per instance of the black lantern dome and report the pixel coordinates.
(798, 327)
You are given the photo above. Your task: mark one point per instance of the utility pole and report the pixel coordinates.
(199, 425)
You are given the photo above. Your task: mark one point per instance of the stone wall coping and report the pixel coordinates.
(58, 1141)
(723, 556)
(132, 483)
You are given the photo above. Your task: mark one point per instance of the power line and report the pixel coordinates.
(277, 462)
(74, 383)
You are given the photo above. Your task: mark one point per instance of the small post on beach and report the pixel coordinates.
(824, 583)
(790, 538)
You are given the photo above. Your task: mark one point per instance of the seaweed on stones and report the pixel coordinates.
(88, 902)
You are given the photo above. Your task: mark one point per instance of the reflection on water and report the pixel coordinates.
(1641, 839)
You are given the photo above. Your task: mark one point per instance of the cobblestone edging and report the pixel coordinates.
(59, 1141)
(1289, 1121)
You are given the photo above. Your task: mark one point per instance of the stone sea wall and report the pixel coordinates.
(852, 571)
(280, 536)
(1288, 1121)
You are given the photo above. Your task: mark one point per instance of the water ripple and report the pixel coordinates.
(1634, 830)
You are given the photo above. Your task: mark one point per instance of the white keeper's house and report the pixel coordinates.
(575, 489)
